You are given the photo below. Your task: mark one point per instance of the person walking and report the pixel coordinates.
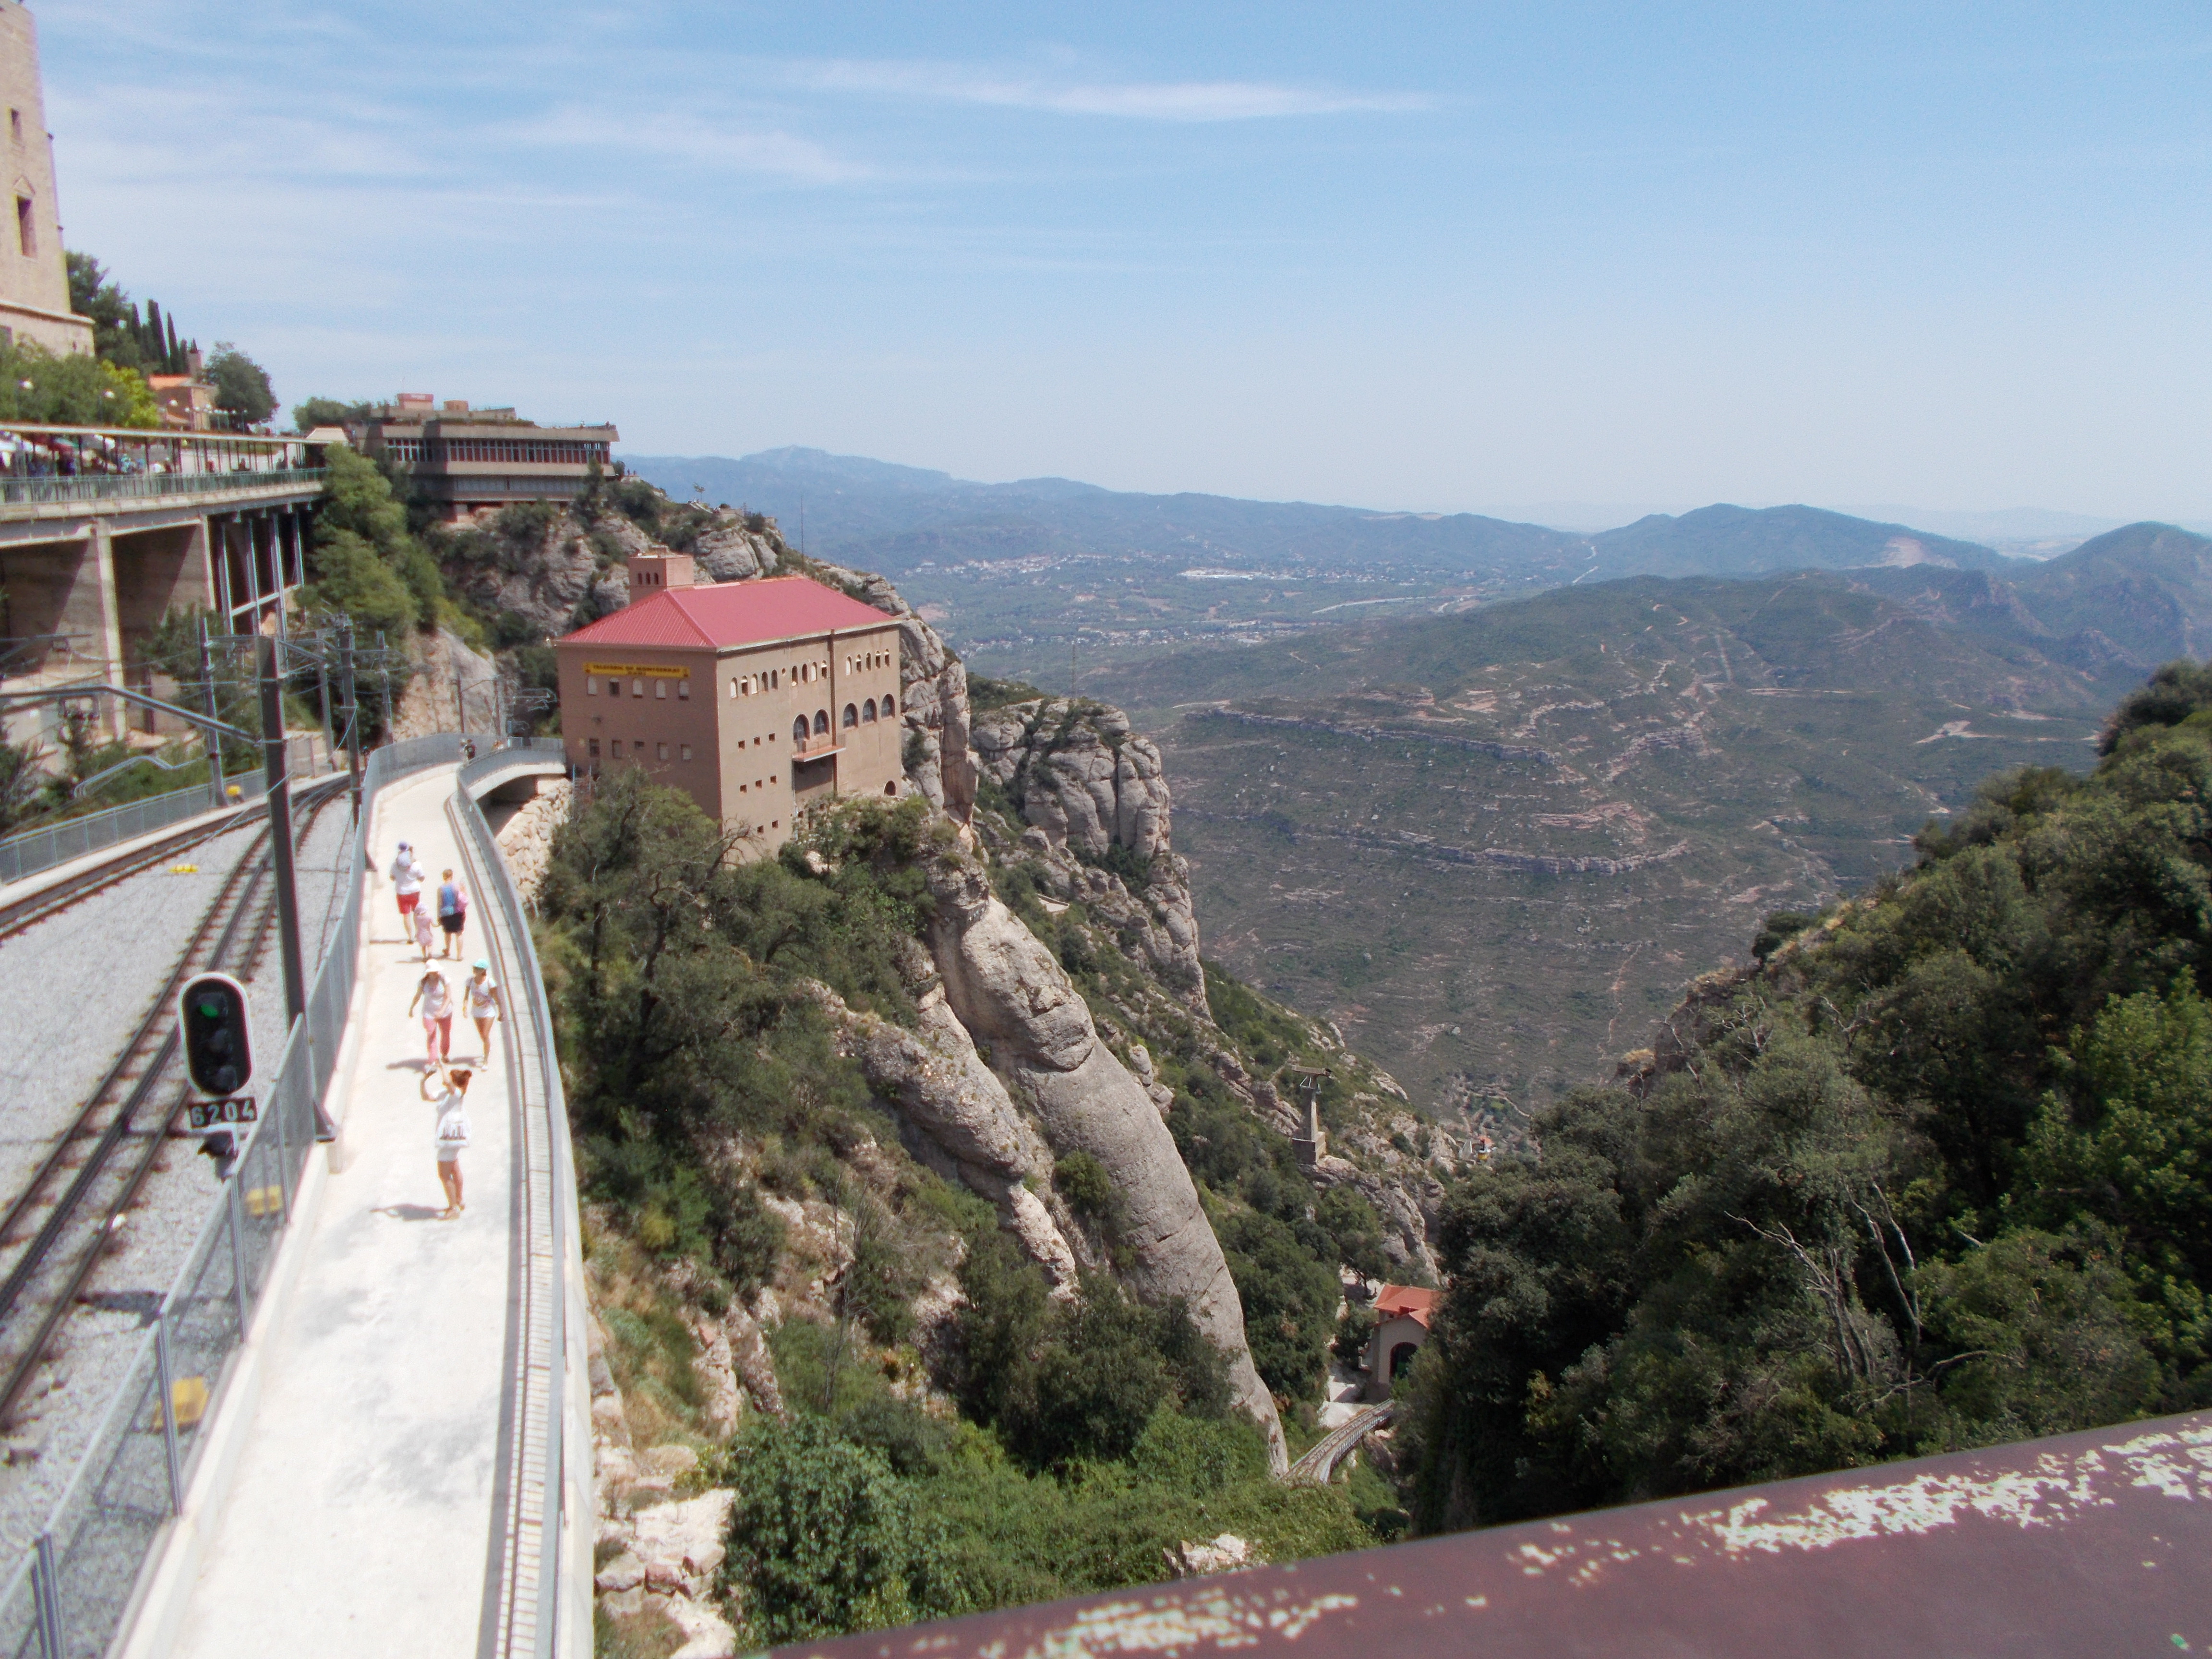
(407, 883)
(437, 997)
(425, 933)
(480, 993)
(452, 1133)
(452, 913)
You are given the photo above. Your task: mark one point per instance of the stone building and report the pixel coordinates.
(755, 698)
(1402, 1313)
(466, 460)
(34, 297)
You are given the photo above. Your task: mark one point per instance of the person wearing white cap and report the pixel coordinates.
(407, 883)
(480, 991)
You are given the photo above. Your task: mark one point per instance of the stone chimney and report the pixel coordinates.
(656, 573)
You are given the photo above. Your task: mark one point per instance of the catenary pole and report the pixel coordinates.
(273, 772)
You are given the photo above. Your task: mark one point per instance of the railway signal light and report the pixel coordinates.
(218, 1048)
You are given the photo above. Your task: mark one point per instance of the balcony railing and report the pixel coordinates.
(128, 486)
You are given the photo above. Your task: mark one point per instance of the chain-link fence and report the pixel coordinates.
(35, 850)
(68, 1597)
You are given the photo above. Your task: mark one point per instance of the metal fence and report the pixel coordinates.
(67, 1598)
(35, 850)
(128, 486)
(546, 1603)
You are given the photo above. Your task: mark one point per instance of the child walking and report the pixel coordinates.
(453, 1134)
(480, 991)
(436, 998)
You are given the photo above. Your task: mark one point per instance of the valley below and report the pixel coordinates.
(1494, 846)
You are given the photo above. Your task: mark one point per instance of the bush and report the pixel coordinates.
(825, 1538)
(1083, 1182)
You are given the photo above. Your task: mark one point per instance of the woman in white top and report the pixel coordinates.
(480, 991)
(437, 1000)
(451, 1136)
(407, 883)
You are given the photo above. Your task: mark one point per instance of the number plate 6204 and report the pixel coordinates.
(213, 1113)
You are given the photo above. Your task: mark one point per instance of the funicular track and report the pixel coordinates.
(56, 1229)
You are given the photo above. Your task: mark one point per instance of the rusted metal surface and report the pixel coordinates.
(2090, 1544)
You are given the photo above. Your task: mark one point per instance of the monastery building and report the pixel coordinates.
(755, 698)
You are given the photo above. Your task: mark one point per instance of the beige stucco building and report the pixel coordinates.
(758, 699)
(465, 460)
(34, 298)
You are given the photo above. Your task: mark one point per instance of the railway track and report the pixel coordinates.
(54, 1232)
(1318, 1465)
(51, 901)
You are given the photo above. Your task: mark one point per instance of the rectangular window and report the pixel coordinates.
(590, 686)
(660, 751)
(637, 687)
(617, 748)
(660, 689)
(684, 751)
(15, 124)
(741, 789)
(682, 690)
(26, 225)
(595, 747)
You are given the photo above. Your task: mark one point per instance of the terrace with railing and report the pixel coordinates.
(57, 466)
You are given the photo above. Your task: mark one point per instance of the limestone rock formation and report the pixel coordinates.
(955, 1117)
(1087, 786)
(1008, 991)
(445, 677)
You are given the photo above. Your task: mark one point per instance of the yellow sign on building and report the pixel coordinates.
(637, 670)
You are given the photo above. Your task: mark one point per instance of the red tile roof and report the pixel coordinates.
(731, 613)
(1413, 1302)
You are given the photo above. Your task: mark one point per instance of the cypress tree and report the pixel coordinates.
(150, 338)
(176, 356)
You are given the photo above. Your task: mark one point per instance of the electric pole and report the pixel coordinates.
(277, 783)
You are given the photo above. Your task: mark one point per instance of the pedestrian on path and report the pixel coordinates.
(452, 913)
(480, 991)
(452, 1133)
(425, 933)
(407, 883)
(437, 997)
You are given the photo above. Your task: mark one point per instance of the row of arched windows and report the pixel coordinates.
(865, 714)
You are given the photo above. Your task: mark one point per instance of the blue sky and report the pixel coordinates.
(1438, 256)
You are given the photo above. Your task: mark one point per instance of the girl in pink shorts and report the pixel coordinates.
(436, 998)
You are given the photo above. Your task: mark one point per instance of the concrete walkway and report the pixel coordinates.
(360, 1519)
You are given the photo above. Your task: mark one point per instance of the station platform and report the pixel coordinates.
(365, 1515)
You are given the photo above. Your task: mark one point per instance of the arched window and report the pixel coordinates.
(852, 717)
(868, 711)
(820, 722)
(798, 730)
(891, 789)
(891, 706)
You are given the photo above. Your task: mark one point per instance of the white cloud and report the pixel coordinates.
(1141, 100)
(687, 137)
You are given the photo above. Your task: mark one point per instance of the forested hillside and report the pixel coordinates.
(1931, 1175)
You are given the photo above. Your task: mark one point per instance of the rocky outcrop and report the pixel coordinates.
(729, 552)
(955, 1117)
(1010, 994)
(444, 678)
(1085, 787)
(525, 840)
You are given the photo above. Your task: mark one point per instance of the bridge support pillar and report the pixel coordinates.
(99, 551)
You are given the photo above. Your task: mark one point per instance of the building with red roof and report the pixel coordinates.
(1402, 1313)
(758, 699)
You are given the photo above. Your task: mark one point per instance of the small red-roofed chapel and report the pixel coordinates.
(756, 699)
(1402, 1313)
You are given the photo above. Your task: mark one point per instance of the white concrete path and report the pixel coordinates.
(359, 1520)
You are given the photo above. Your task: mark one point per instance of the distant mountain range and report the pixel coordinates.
(897, 519)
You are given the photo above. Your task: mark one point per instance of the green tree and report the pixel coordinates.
(364, 563)
(311, 412)
(72, 389)
(242, 385)
(116, 331)
(825, 1538)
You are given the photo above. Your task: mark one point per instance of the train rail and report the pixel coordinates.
(61, 895)
(60, 1224)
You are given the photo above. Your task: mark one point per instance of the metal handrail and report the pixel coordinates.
(554, 1565)
(123, 486)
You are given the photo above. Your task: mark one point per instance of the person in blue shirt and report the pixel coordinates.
(452, 913)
